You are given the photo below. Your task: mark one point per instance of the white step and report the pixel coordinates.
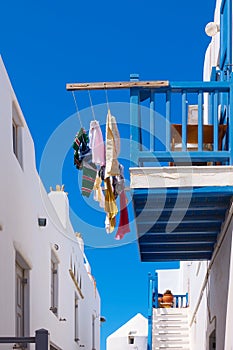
(170, 329)
(171, 348)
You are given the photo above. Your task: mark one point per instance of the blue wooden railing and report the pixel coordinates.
(155, 113)
(180, 301)
(152, 302)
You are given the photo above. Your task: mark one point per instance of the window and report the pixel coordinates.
(21, 297)
(17, 129)
(54, 284)
(93, 332)
(212, 341)
(130, 339)
(76, 319)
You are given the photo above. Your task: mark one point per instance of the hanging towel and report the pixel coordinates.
(124, 218)
(89, 176)
(96, 143)
(110, 205)
(112, 146)
(98, 193)
(110, 225)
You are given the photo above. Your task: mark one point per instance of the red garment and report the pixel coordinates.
(124, 218)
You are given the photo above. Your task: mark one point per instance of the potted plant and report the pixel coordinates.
(168, 296)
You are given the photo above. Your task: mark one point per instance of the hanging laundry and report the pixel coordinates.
(112, 146)
(124, 217)
(82, 160)
(96, 143)
(120, 181)
(110, 206)
(81, 148)
(88, 178)
(98, 193)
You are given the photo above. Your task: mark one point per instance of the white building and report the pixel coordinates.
(185, 212)
(46, 280)
(132, 335)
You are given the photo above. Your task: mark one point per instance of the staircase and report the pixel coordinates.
(170, 329)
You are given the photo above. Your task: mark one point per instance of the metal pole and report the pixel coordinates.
(42, 339)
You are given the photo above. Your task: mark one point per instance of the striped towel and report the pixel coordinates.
(88, 178)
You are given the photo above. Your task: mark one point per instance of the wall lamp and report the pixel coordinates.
(212, 28)
(42, 222)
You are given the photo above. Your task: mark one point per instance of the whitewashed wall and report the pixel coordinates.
(214, 297)
(137, 327)
(23, 200)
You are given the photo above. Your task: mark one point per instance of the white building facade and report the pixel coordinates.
(210, 283)
(46, 280)
(132, 335)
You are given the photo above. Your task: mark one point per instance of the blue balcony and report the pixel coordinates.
(181, 167)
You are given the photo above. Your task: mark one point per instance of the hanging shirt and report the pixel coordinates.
(96, 143)
(124, 218)
(112, 146)
(81, 148)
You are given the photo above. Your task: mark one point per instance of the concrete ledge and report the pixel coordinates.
(181, 176)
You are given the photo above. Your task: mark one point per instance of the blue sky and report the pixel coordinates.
(47, 44)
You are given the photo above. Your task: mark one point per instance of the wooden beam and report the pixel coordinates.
(155, 84)
(76, 283)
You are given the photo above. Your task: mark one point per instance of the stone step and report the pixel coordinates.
(170, 329)
(170, 316)
(171, 310)
(167, 328)
(171, 333)
(171, 348)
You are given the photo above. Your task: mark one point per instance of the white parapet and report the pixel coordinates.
(181, 176)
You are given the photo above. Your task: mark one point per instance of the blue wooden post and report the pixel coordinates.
(42, 339)
(152, 121)
(230, 137)
(152, 302)
(210, 108)
(150, 311)
(200, 121)
(168, 120)
(184, 121)
(155, 290)
(215, 120)
(135, 131)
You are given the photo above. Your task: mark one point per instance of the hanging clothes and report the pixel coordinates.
(123, 227)
(81, 148)
(110, 207)
(112, 146)
(89, 176)
(96, 143)
(98, 193)
(82, 160)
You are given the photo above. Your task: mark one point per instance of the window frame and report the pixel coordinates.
(20, 264)
(17, 134)
(76, 318)
(54, 284)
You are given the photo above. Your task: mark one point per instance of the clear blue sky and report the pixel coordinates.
(45, 45)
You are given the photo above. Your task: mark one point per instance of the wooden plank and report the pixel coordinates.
(155, 84)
